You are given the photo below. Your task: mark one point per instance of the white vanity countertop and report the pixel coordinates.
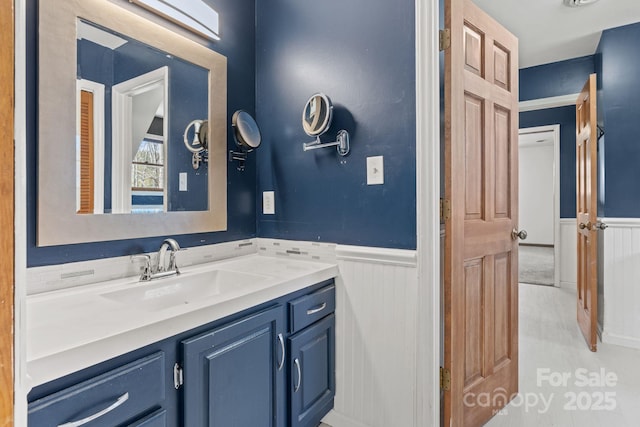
(72, 329)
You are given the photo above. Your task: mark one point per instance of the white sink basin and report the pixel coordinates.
(160, 294)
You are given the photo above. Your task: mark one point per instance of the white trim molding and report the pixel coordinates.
(20, 227)
(551, 102)
(386, 256)
(428, 321)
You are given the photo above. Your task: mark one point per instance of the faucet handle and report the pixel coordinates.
(146, 271)
(146, 257)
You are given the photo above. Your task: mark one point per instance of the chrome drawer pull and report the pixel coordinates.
(97, 415)
(297, 386)
(281, 364)
(316, 310)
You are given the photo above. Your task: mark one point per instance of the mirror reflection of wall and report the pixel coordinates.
(134, 102)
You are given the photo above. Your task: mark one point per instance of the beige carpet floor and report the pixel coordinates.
(536, 265)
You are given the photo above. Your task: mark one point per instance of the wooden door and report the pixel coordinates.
(6, 211)
(586, 211)
(481, 184)
(86, 170)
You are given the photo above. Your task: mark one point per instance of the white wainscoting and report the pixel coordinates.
(621, 276)
(568, 253)
(376, 338)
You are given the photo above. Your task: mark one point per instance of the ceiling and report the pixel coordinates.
(549, 31)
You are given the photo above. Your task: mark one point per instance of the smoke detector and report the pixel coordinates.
(578, 3)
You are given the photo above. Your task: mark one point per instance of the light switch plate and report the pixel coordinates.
(183, 181)
(268, 203)
(375, 170)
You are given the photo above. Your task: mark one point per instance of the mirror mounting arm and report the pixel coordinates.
(240, 157)
(341, 143)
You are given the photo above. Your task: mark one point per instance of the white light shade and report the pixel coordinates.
(578, 3)
(194, 15)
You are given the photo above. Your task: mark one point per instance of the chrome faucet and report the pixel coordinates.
(173, 246)
(156, 270)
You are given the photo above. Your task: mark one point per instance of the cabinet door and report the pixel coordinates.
(234, 375)
(312, 378)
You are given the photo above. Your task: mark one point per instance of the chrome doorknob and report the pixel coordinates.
(601, 225)
(588, 226)
(522, 234)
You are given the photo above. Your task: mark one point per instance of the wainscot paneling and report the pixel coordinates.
(375, 338)
(621, 280)
(568, 253)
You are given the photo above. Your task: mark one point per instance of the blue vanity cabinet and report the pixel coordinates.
(234, 375)
(271, 365)
(312, 357)
(130, 395)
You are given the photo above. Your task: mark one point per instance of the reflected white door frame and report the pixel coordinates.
(122, 134)
(555, 131)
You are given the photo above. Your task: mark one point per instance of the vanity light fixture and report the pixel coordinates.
(194, 15)
(578, 3)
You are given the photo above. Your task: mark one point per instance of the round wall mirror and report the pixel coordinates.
(245, 130)
(317, 114)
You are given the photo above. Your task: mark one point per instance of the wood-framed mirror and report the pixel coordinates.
(61, 218)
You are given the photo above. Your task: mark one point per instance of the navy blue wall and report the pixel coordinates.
(566, 118)
(555, 79)
(619, 111)
(363, 57)
(238, 45)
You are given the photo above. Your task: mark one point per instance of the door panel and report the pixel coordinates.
(481, 178)
(586, 204)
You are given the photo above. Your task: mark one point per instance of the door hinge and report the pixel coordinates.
(178, 377)
(445, 39)
(445, 210)
(445, 379)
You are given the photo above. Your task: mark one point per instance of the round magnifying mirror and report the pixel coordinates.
(245, 130)
(317, 114)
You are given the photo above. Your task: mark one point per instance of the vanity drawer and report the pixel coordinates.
(114, 398)
(311, 308)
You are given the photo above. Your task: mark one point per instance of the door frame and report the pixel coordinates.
(427, 361)
(555, 130)
(21, 384)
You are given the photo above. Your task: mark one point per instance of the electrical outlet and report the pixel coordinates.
(268, 203)
(183, 181)
(375, 170)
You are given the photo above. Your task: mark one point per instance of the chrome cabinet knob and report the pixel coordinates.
(522, 234)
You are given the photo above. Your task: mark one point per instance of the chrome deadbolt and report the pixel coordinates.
(522, 234)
